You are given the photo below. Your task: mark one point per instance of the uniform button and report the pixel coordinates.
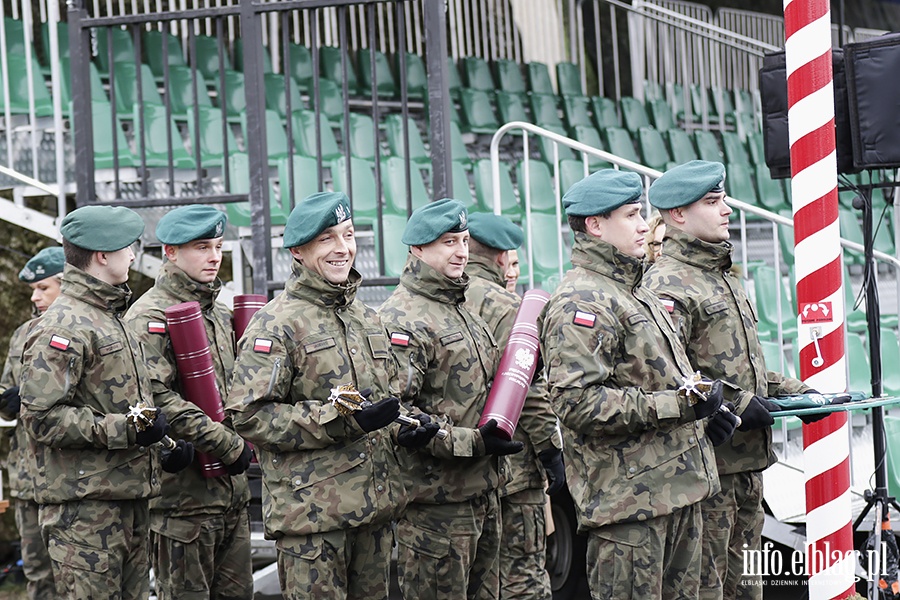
(642, 517)
(752, 355)
(274, 460)
(428, 469)
(691, 440)
(380, 488)
(631, 469)
(153, 481)
(352, 350)
(362, 454)
(81, 472)
(297, 482)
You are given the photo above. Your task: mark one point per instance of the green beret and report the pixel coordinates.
(313, 215)
(46, 263)
(602, 192)
(495, 231)
(687, 183)
(429, 222)
(102, 228)
(188, 223)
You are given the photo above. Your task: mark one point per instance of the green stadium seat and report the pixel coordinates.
(619, 142)
(454, 83)
(306, 180)
(653, 91)
(771, 191)
(105, 132)
(156, 151)
(539, 78)
(477, 74)
(239, 212)
(568, 79)
(653, 148)
(756, 149)
(395, 137)
(739, 185)
(766, 286)
(720, 100)
(484, 190)
(734, 149)
(239, 57)
(14, 29)
(126, 87)
(300, 66)
(331, 101)
(545, 146)
(303, 129)
(416, 76)
(153, 50)
(786, 239)
(62, 37)
(605, 112)
(276, 94)
(458, 150)
(395, 251)
(660, 114)
(860, 373)
(393, 179)
(775, 359)
(65, 82)
(743, 102)
(890, 357)
(511, 107)
(122, 46)
(851, 229)
(462, 189)
(577, 111)
(884, 235)
(383, 78)
(232, 99)
(854, 317)
(477, 111)
(591, 137)
(509, 76)
(545, 244)
(571, 171)
(892, 435)
(540, 182)
(634, 115)
(208, 57)
(544, 111)
(276, 136)
(681, 146)
(363, 137)
(212, 142)
(18, 88)
(677, 99)
(181, 90)
(707, 146)
(330, 65)
(360, 188)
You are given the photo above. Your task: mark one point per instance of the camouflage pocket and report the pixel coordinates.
(661, 448)
(76, 556)
(180, 530)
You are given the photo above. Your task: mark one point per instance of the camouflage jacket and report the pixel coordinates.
(19, 463)
(321, 471)
(189, 492)
(446, 359)
(82, 371)
(633, 451)
(537, 429)
(717, 324)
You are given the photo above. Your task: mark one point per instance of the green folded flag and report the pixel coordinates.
(800, 401)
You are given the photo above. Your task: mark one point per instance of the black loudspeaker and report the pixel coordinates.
(773, 93)
(873, 91)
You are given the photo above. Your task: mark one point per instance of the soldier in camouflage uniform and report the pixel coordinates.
(522, 499)
(717, 324)
(331, 483)
(447, 356)
(637, 457)
(95, 471)
(43, 274)
(200, 528)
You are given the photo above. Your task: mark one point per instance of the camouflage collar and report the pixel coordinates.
(481, 267)
(421, 279)
(312, 287)
(87, 288)
(177, 284)
(602, 257)
(694, 251)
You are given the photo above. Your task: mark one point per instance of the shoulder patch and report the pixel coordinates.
(453, 337)
(668, 304)
(262, 346)
(156, 327)
(585, 319)
(59, 342)
(399, 339)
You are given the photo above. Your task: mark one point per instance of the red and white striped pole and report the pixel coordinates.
(820, 297)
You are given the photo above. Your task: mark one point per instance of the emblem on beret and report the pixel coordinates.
(27, 274)
(340, 214)
(462, 219)
(524, 358)
(220, 228)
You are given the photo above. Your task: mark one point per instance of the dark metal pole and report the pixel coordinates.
(438, 96)
(82, 112)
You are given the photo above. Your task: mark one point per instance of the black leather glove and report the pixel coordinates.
(497, 445)
(807, 419)
(178, 458)
(243, 461)
(552, 459)
(757, 414)
(10, 401)
(418, 437)
(378, 414)
(714, 398)
(721, 427)
(153, 434)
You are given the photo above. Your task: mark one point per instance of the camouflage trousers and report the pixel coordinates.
(450, 551)
(523, 547)
(98, 548)
(35, 559)
(732, 522)
(202, 557)
(347, 564)
(658, 558)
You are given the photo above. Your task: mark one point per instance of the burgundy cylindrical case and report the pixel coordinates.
(517, 366)
(245, 306)
(196, 371)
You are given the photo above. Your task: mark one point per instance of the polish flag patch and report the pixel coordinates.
(399, 339)
(59, 342)
(584, 319)
(156, 327)
(669, 305)
(262, 345)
